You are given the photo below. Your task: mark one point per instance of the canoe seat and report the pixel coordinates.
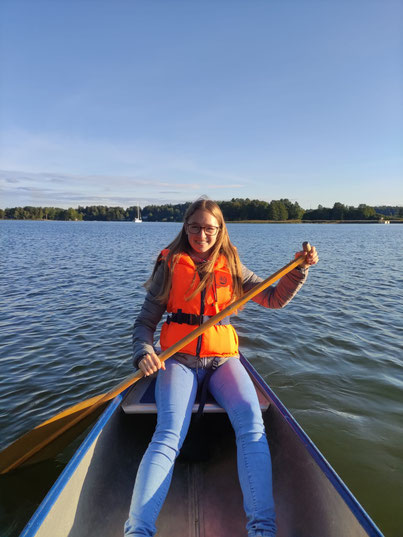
(140, 399)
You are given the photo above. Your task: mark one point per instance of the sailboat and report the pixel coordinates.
(137, 219)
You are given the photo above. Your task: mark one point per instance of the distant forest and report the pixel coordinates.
(234, 211)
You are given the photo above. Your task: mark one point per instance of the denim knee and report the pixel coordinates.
(166, 443)
(247, 420)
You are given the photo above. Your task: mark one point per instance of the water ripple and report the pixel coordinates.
(70, 292)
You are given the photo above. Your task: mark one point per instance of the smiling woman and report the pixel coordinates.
(201, 229)
(198, 275)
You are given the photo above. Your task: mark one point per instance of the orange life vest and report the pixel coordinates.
(219, 340)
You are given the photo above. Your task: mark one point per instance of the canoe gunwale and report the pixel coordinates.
(354, 505)
(54, 492)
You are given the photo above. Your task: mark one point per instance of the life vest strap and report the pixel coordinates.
(191, 318)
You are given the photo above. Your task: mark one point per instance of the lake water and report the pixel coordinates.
(69, 292)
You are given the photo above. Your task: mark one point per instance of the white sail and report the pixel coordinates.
(137, 219)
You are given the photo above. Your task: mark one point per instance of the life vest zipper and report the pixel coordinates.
(199, 339)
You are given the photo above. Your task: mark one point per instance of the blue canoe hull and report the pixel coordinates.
(92, 495)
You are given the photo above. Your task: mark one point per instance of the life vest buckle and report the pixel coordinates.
(185, 318)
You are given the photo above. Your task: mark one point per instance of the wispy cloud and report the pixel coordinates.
(65, 190)
(39, 168)
(16, 177)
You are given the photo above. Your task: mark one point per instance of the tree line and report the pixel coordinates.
(392, 212)
(234, 211)
(342, 212)
(94, 212)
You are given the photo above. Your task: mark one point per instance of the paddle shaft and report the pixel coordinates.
(129, 381)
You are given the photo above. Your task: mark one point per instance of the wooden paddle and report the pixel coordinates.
(28, 447)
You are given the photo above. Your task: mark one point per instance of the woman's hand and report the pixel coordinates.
(150, 364)
(311, 257)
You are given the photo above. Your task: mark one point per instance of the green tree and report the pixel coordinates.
(294, 211)
(338, 211)
(258, 210)
(277, 210)
(72, 214)
(19, 213)
(49, 213)
(366, 212)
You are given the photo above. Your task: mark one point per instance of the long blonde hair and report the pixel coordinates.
(181, 245)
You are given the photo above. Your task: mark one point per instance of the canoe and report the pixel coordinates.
(92, 495)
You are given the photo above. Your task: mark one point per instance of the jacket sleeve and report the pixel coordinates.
(148, 319)
(275, 296)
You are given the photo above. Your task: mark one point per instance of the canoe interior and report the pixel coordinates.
(92, 496)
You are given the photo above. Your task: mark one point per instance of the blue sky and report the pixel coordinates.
(115, 102)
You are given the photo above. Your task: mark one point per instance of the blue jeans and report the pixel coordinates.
(175, 394)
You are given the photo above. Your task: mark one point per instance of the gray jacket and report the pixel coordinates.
(274, 297)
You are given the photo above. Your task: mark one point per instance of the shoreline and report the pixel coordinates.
(227, 221)
(312, 222)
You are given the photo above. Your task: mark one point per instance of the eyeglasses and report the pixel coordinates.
(194, 229)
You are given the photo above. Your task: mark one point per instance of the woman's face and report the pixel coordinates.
(202, 231)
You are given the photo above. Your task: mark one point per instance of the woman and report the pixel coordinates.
(197, 275)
